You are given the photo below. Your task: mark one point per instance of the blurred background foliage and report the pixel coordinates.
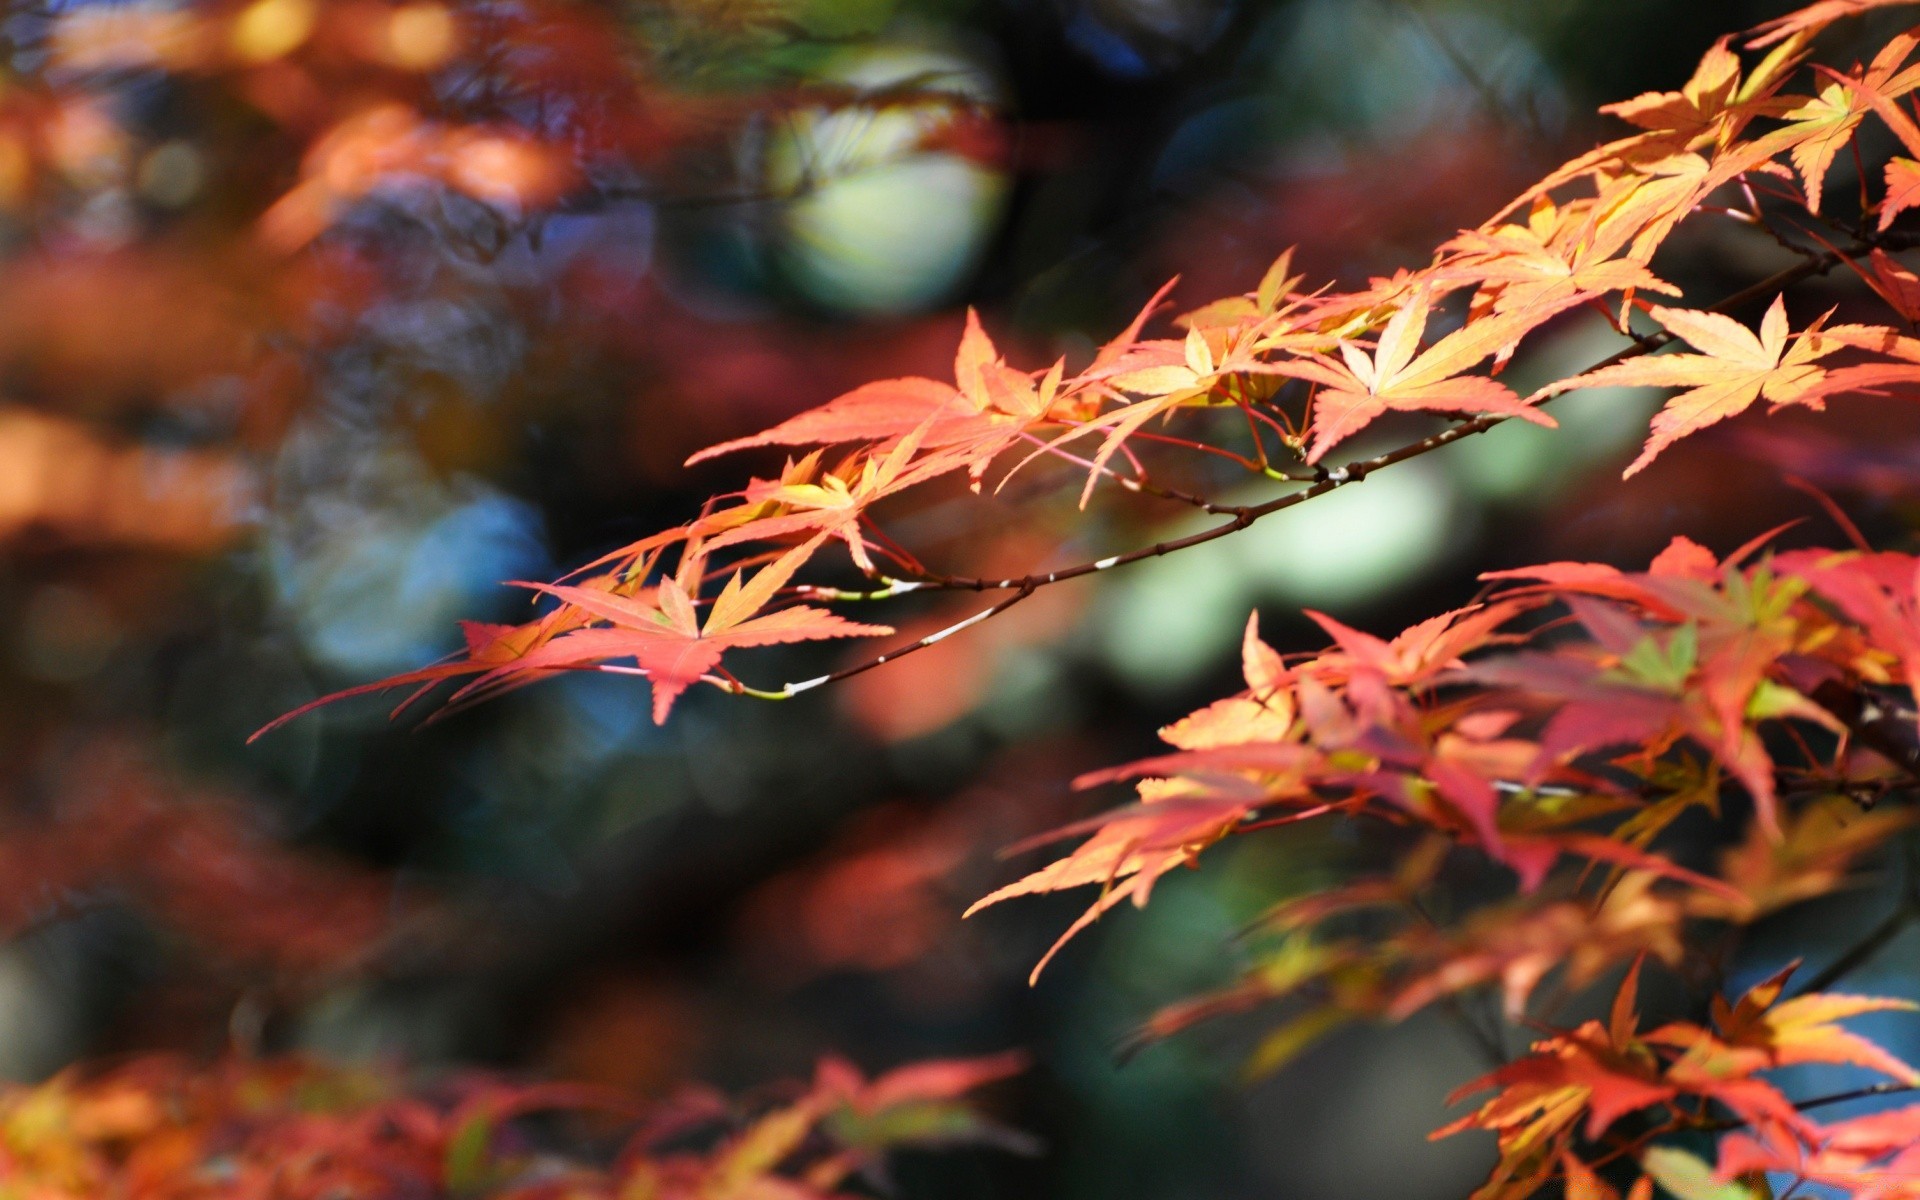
(319, 318)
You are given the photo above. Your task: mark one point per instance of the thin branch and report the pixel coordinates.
(1881, 728)
(1904, 913)
(790, 690)
(1861, 952)
(1136, 483)
(1328, 479)
(1878, 1089)
(1890, 1088)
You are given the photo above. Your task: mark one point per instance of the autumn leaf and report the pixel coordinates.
(1814, 18)
(1813, 858)
(872, 412)
(1803, 1029)
(490, 649)
(1656, 176)
(1519, 944)
(1276, 285)
(1263, 713)
(832, 503)
(1891, 279)
(1697, 108)
(987, 408)
(1875, 1155)
(1584, 1079)
(1903, 193)
(667, 640)
(1420, 653)
(1131, 850)
(1736, 370)
(1817, 130)
(921, 1104)
(1880, 592)
(1400, 377)
(1559, 259)
(1168, 375)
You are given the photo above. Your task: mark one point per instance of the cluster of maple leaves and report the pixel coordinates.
(1562, 727)
(1309, 370)
(290, 1128)
(1541, 743)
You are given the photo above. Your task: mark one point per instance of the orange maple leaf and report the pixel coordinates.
(1818, 128)
(1814, 18)
(1262, 713)
(1599, 1072)
(1760, 1032)
(1560, 258)
(1736, 369)
(987, 408)
(1130, 850)
(666, 638)
(1398, 376)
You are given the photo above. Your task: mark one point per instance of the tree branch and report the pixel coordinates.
(1904, 913)
(1353, 472)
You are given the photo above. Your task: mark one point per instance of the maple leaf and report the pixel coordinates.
(872, 412)
(832, 503)
(1559, 259)
(1802, 1030)
(666, 638)
(1398, 376)
(1132, 848)
(1899, 364)
(1208, 366)
(1817, 129)
(1422, 652)
(1583, 1183)
(1697, 109)
(1759, 1033)
(1870, 1157)
(1890, 279)
(1881, 592)
(1276, 286)
(1682, 559)
(1812, 859)
(1263, 713)
(1346, 315)
(918, 1104)
(940, 1079)
(1709, 678)
(1517, 945)
(1658, 168)
(489, 648)
(1599, 1072)
(1903, 193)
(1813, 18)
(987, 408)
(1736, 370)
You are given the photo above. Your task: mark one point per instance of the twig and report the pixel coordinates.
(1862, 951)
(1878, 1089)
(1904, 913)
(790, 690)
(1889, 1088)
(1326, 480)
